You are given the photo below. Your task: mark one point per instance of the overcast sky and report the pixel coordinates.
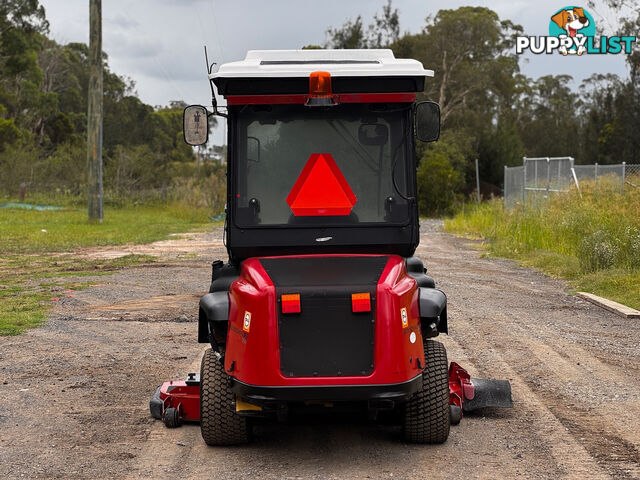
(158, 43)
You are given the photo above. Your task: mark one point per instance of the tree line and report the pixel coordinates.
(43, 122)
(490, 110)
(493, 112)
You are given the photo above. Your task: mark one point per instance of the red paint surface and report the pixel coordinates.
(321, 189)
(257, 354)
(301, 98)
(186, 398)
(460, 386)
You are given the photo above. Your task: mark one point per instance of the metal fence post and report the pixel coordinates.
(524, 181)
(596, 180)
(624, 174)
(478, 180)
(548, 175)
(504, 195)
(535, 185)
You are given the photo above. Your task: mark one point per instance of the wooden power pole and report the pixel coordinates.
(94, 121)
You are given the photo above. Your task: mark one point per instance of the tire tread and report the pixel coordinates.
(426, 414)
(219, 423)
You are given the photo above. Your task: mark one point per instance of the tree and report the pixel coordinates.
(549, 113)
(440, 175)
(350, 35)
(477, 84)
(381, 32)
(385, 28)
(470, 49)
(25, 15)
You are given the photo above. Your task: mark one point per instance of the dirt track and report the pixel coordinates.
(75, 392)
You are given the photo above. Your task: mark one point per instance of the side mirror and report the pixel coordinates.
(195, 125)
(427, 121)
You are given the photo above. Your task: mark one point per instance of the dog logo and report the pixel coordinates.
(573, 23)
(572, 31)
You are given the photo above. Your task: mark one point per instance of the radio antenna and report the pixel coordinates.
(214, 102)
(206, 59)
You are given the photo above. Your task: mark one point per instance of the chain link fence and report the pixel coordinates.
(538, 178)
(632, 175)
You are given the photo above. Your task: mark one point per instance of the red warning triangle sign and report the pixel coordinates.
(321, 189)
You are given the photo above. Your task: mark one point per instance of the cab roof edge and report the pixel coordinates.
(340, 63)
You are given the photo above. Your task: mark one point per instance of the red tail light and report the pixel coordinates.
(290, 303)
(360, 302)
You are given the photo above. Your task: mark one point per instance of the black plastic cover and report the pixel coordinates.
(222, 276)
(324, 271)
(329, 393)
(214, 309)
(416, 270)
(155, 404)
(433, 311)
(300, 85)
(414, 265)
(326, 338)
(432, 302)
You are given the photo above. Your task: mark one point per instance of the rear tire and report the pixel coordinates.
(219, 423)
(426, 414)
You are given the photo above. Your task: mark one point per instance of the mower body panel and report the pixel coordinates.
(260, 337)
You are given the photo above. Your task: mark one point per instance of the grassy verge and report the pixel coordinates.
(33, 274)
(29, 231)
(29, 285)
(592, 240)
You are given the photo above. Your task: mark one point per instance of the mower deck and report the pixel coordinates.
(178, 401)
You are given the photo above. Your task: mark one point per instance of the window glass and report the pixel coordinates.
(366, 142)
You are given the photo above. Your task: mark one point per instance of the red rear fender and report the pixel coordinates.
(253, 347)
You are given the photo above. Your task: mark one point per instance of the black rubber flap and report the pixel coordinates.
(489, 393)
(326, 338)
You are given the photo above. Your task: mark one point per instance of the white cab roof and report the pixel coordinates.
(339, 63)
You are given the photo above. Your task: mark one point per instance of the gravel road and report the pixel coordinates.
(75, 392)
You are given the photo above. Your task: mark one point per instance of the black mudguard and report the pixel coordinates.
(433, 311)
(213, 315)
(415, 269)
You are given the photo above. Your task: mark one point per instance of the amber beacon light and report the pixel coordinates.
(320, 90)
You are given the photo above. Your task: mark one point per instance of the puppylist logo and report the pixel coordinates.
(572, 31)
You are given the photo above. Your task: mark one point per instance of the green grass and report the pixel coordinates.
(28, 231)
(593, 240)
(29, 284)
(33, 270)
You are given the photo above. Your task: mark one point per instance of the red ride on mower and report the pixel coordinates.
(322, 301)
